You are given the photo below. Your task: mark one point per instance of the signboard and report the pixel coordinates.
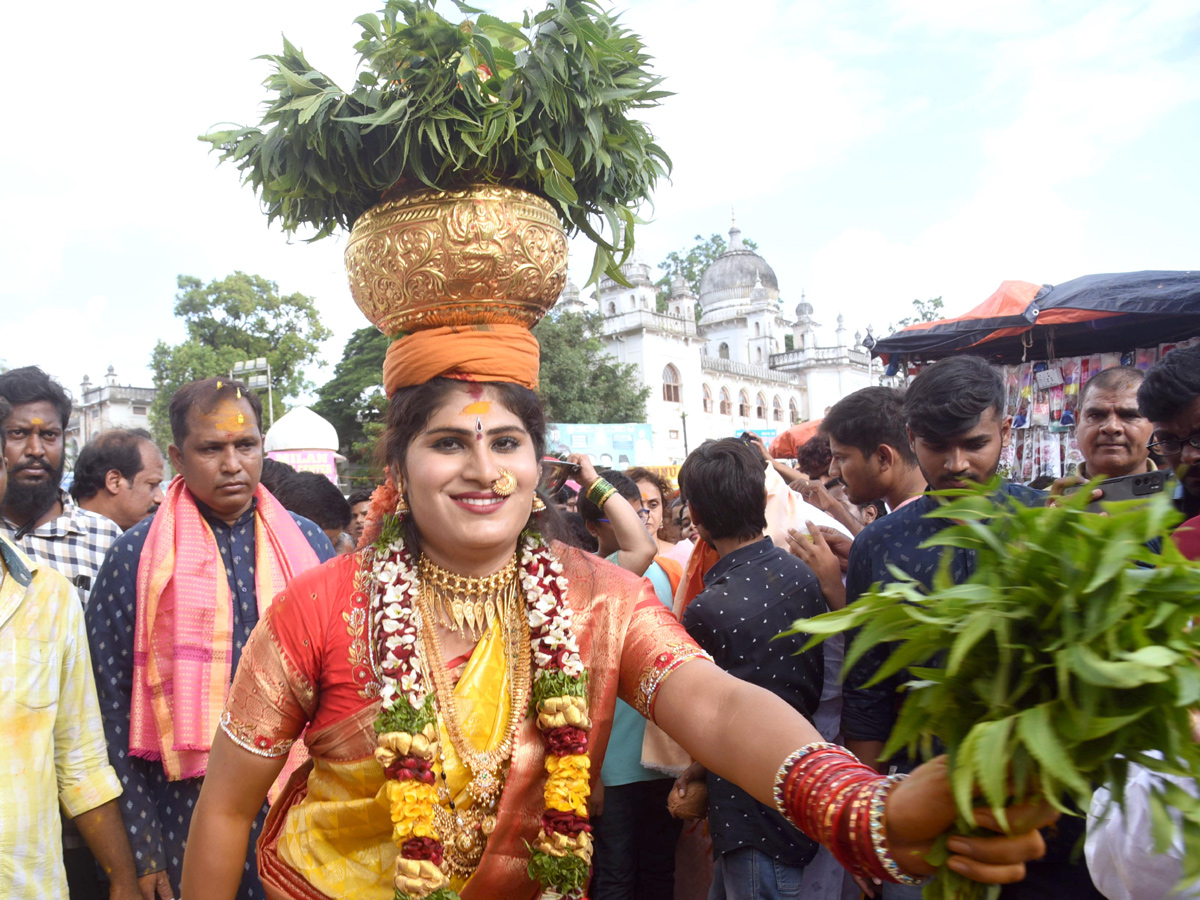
(617, 446)
(323, 462)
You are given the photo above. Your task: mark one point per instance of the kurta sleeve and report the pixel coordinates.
(274, 694)
(655, 646)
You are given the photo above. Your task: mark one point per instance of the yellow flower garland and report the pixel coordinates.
(567, 787)
(411, 805)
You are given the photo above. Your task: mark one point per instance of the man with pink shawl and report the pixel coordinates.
(174, 602)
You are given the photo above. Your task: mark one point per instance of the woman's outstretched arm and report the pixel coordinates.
(743, 733)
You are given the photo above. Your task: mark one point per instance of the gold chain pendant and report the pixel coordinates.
(465, 832)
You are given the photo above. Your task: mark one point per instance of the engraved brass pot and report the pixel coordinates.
(481, 255)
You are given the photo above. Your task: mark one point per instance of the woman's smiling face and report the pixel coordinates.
(451, 466)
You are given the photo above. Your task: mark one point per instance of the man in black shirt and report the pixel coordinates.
(753, 592)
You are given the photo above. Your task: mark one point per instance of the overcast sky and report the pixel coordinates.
(876, 151)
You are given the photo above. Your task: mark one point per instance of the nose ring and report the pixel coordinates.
(505, 484)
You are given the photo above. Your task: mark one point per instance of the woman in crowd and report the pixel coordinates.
(409, 665)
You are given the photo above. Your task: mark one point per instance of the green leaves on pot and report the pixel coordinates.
(1067, 655)
(544, 105)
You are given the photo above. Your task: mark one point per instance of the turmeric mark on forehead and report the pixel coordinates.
(36, 421)
(478, 408)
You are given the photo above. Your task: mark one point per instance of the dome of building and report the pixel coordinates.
(733, 274)
(804, 309)
(301, 429)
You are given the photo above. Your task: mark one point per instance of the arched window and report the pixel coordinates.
(757, 329)
(777, 409)
(723, 351)
(793, 412)
(744, 404)
(726, 405)
(612, 308)
(671, 384)
(760, 406)
(645, 303)
(758, 354)
(708, 404)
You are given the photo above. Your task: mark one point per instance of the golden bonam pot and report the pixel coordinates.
(482, 255)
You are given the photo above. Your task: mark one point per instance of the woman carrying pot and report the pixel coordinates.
(457, 678)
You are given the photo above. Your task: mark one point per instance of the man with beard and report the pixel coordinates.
(41, 520)
(119, 475)
(37, 515)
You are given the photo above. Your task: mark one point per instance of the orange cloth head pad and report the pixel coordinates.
(468, 352)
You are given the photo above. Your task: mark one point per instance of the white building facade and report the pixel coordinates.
(109, 405)
(730, 372)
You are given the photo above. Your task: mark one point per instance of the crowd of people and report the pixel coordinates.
(149, 630)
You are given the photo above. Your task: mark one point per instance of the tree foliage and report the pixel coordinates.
(349, 400)
(232, 319)
(926, 311)
(580, 382)
(690, 263)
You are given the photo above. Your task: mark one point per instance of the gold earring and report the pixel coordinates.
(505, 484)
(401, 503)
(538, 505)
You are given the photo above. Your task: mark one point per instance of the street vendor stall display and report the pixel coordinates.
(1049, 341)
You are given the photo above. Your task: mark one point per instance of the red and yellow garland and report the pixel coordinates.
(560, 856)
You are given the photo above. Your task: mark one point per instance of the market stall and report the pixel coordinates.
(1049, 340)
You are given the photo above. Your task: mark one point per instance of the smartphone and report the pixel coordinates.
(747, 438)
(1127, 487)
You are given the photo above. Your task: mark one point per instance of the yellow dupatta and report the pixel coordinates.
(336, 838)
(482, 698)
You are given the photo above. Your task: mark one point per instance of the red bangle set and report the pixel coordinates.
(828, 794)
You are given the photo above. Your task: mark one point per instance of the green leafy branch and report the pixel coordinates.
(1066, 656)
(543, 105)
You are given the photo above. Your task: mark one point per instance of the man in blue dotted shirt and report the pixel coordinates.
(220, 516)
(751, 594)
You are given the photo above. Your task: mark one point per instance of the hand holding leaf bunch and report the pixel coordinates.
(1067, 655)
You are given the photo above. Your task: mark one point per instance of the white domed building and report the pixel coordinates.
(731, 371)
(306, 441)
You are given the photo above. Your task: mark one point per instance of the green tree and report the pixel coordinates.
(349, 399)
(690, 262)
(926, 311)
(579, 381)
(232, 319)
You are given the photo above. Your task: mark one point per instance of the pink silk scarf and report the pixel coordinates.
(183, 635)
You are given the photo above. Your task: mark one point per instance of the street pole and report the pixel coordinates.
(683, 419)
(270, 396)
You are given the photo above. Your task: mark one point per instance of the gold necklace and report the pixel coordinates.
(465, 832)
(462, 602)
